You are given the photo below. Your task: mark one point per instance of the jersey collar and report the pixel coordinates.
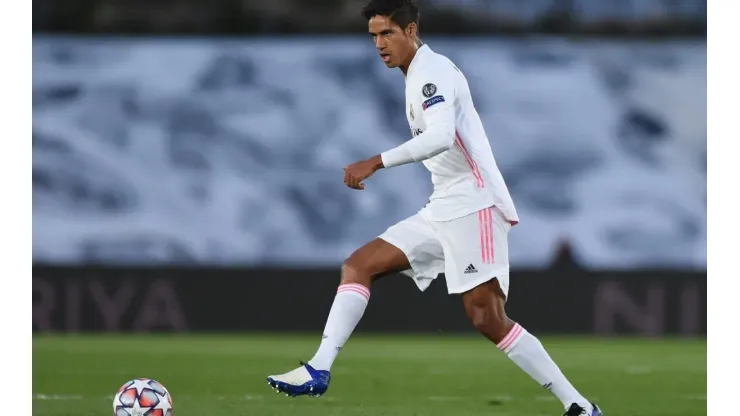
(420, 51)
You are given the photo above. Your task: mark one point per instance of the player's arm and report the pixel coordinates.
(438, 98)
(439, 115)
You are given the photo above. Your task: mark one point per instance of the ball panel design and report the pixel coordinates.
(120, 411)
(128, 398)
(125, 386)
(148, 398)
(158, 387)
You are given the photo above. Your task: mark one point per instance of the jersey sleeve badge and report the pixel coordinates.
(429, 90)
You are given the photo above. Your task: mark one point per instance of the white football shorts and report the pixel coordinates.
(470, 250)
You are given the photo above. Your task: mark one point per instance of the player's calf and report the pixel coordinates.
(484, 306)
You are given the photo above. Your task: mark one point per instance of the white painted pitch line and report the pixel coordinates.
(638, 370)
(63, 397)
(702, 397)
(258, 397)
(546, 398)
(460, 398)
(248, 397)
(253, 397)
(57, 397)
(437, 371)
(502, 398)
(445, 398)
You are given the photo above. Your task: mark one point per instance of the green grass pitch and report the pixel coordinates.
(374, 375)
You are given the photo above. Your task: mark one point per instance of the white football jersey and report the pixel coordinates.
(465, 176)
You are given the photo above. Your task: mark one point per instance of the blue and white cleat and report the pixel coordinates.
(577, 410)
(304, 380)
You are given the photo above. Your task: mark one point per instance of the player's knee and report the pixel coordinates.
(355, 272)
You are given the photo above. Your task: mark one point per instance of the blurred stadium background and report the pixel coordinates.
(187, 162)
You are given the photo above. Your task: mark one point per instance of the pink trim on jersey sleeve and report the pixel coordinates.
(473, 166)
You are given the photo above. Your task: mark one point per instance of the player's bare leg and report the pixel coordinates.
(484, 306)
(368, 263)
(365, 265)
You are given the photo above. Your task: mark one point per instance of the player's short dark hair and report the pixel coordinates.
(402, 12)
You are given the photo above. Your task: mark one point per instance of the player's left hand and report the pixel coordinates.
(357, 172)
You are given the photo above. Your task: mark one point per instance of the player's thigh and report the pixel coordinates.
(476, 250)
(418, 241)
(374, 259)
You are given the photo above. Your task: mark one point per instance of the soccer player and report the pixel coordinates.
(462, 231)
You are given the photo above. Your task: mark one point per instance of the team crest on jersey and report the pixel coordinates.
(411, 112)
(429, 90)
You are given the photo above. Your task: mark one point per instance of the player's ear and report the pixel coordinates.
(412, 29)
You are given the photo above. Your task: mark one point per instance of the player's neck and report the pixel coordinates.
(405, 66)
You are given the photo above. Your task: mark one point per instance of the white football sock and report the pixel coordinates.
(346, 311)
(529, 354)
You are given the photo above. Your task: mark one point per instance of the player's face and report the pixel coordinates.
(393, 43)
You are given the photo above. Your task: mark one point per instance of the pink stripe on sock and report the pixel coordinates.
(354, 290)
(509, 339)
(354, 287)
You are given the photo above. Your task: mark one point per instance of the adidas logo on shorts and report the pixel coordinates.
(470, 269)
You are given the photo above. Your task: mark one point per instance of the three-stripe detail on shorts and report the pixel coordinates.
(485, 220)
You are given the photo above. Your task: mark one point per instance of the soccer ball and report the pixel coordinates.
(142, 397)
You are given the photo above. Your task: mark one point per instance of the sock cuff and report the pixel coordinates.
(511, 339)
(354, 289)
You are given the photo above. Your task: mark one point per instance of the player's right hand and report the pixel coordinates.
(357, 172)
(352, 178)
